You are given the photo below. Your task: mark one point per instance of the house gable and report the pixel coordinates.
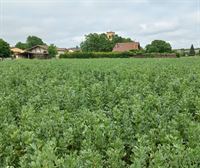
(39, 49)
(121, 47)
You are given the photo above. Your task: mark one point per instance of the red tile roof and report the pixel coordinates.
(120, 47)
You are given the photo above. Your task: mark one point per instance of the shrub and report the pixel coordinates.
(159, 46)
(4, 49)
(96, 55)
(130, 54)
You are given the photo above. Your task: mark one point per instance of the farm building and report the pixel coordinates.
(62, 50)
(38, 51)
(121, 47)
(76, 49)
(16, 52)
(186, 51)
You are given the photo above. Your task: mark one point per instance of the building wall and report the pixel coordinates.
(39, 50)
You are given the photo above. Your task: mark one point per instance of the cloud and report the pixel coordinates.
(158, 27)
(65, 22)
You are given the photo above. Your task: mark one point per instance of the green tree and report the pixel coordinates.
(96, 43)
(21, 45)
(192, 51)
(100, 43)
(199, 52)
(52, 50)
(33, 41)
(158, 46)
(5, 51)
(118, 39)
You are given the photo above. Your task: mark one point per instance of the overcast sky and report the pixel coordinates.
(65, 22)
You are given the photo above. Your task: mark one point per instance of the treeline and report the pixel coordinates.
(101, 43)
(31, 41)
(98, 46)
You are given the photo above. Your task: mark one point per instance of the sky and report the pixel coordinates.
(66, 22)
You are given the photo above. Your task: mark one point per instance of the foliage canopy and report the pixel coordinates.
(52, 50)
(158, 46)
(4, 49)
(100, 43)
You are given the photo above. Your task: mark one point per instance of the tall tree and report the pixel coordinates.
(100, 43)
(158, 46)
(96, 43)
(33, 41)
(192, 51)
(21, 45)
(52, 50)
(4, 49)
(118, 39)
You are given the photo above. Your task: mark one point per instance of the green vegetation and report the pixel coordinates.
(158, 46)
(4, 49)
(100, 113)
(52, 51)
(21, 45)
(130, 54)
(192, 51)
(31, 41)
(100, 43)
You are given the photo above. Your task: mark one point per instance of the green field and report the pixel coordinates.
(109, 113)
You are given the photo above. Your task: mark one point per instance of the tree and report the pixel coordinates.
(158, 46)
(21, 45)
(192, 51)
(100, 42)
(4, 49)
(52, 50)
(118, 39)
(199, 52)
(96, 43)
(33, 41)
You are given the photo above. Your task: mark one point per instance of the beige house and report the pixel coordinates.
(17, 52)
(61, 51)
(76, 49)
(38, 51)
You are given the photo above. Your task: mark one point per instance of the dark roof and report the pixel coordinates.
(126, 46)
(41, 46)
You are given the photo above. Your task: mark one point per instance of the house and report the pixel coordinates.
(122, 47)
(61, 51)
(186, 51)
(38, 51)
(76, 49)
(17, 52)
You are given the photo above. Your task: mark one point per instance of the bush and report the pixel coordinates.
(159, 46)
(5, 51)
(130, 54)
(96, 55)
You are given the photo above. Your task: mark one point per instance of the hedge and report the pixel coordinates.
(136, 54)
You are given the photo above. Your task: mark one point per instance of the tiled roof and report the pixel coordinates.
(126, 46)
(16, 50)
(41, 46)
